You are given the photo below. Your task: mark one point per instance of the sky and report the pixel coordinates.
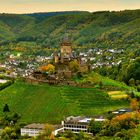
(31, 6)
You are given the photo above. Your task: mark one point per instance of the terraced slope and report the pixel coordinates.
(44, 103)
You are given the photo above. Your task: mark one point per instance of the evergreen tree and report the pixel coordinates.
(6, 108)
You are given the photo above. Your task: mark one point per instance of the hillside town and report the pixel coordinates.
(24, 66)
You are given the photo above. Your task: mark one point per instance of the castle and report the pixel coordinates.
(61, 61)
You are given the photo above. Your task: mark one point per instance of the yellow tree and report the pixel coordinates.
(74, 66)
(49, 68)
(47, 134)
(48, 130)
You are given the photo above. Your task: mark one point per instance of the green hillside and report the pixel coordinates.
(11, 25)
(44, 103)
(95, 79)
(84, 28)
(5, 32)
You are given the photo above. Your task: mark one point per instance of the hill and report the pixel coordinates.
(84, 28)
(44, 15)
(44, 103)
(96, 80)
(11, 25)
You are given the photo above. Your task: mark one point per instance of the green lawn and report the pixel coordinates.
(44, 103)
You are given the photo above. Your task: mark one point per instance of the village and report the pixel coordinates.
(17, 65)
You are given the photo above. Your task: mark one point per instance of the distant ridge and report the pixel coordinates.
(85, 28)
(43, 15)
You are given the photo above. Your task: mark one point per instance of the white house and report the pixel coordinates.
(76, 124)
(32, 130)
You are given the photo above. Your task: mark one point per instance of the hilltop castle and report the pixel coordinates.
(61, 61)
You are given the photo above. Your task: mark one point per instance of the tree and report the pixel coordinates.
(69, 134)
(137, 134)
(133, 70)
(132, 95)
(134, 104)
(74, 66)
(49, 68)
(100, 84)
(47, 134)
(8, 133)
(95, 127)
(6, 108)
(137, 82)
(138, 88)
(48, 129)
(131, 82)
(82, 136)
(15, 118)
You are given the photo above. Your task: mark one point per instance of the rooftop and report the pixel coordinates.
(35, 126)
(85, 120)
(78, 119)
(122, 110)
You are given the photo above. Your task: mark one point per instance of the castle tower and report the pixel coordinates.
(66, 49)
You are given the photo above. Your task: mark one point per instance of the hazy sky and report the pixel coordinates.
(28, 6)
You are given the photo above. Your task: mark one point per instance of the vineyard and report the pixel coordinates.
(44, 103)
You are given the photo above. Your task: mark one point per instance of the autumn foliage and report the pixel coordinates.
(134, 104)
(122, 126)
(49, 68)
(127, 121)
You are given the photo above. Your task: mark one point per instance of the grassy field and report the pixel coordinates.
(44, 103)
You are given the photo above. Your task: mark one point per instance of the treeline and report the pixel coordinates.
(128, 72)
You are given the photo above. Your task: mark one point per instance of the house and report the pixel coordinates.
(39, 75)
(52, 79)
(80, 123)
(32, 130)
(76, 124)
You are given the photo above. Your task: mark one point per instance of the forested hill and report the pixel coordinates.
(100, 29)
(44, 15)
